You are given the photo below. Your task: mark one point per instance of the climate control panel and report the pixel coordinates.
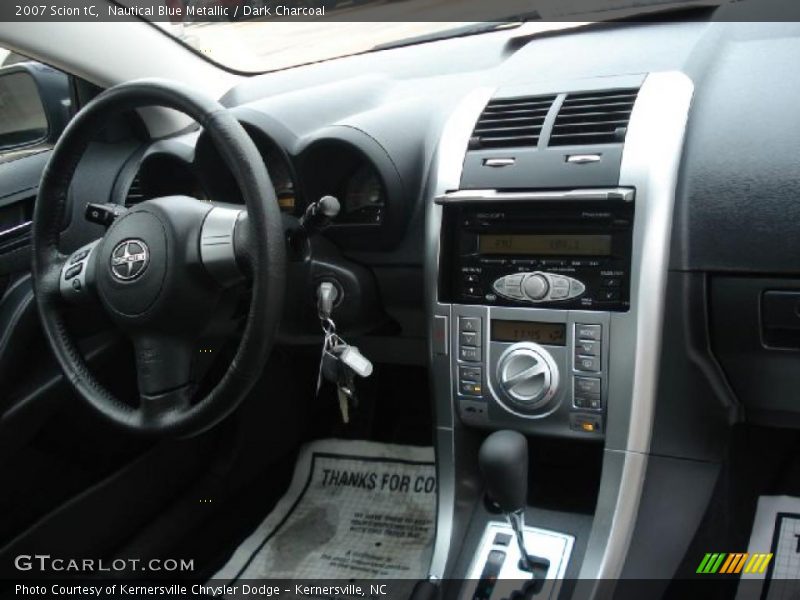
(535, 370)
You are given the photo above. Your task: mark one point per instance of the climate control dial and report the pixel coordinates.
(527, 376)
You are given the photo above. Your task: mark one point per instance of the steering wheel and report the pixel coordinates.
(162, 268)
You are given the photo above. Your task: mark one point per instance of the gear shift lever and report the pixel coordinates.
(503, 460)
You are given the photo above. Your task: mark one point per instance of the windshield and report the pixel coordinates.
(250, 36)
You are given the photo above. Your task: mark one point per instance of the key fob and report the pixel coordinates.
(352, 358)
(330, 367)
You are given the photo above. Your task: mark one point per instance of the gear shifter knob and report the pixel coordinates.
(503, 460)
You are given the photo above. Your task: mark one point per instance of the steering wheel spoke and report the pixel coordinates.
(164, 372)
(222, 249)
(76, 280)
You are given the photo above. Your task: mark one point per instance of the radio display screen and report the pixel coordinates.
(545, 245)
(549, 334)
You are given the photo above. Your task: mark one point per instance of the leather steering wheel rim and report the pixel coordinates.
(266, 255)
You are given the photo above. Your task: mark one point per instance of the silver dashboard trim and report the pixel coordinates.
(216, 245)
(499, 162)
(461, 196)
(650, 164)
(583, 159)
(552, 545)
(14, 231)
(445, 172)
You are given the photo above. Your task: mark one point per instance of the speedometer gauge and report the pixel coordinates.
(363, 197)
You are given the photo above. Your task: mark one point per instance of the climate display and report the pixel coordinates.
(545, 245)
(549, 334)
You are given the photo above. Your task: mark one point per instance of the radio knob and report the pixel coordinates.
(535, 287)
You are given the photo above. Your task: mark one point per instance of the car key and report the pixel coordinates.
(330, 366)
(345, 385)
(344, 396)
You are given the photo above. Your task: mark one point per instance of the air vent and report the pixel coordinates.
(135, 194)
(511, 122)
(593, 118)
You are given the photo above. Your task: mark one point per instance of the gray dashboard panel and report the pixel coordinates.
(736, 208)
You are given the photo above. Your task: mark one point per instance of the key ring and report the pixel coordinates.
(328, 326)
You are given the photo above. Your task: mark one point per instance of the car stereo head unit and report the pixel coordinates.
(550, 254)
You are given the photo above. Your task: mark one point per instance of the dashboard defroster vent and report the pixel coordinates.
(511, 122)
(135, 194)
(599, 117)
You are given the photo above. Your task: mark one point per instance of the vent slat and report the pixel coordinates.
(524, 129)
(622, 115)
(511, 122)
(602, 97)
(506, 142)
(593, 118)
(513, 105)
(605, 124)
(517, 111)
(135, 194)
(599, 106)
(514, 120)
(583, 136)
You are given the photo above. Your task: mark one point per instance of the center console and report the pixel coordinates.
(548, 232)
(532, 278)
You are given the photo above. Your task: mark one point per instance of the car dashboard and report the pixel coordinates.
(566, 230)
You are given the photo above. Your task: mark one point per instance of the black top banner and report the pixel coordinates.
(207, 11)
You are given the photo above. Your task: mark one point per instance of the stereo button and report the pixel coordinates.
(73, 271)
(514, 280)
(559, 287)
(509, 287)
(576, 288)
(471, 290)
(514, 286)
(535, 287)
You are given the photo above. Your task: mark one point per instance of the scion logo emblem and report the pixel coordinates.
(129, 259)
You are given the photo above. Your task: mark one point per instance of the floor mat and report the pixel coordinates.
(774, 550)
(354, 510)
